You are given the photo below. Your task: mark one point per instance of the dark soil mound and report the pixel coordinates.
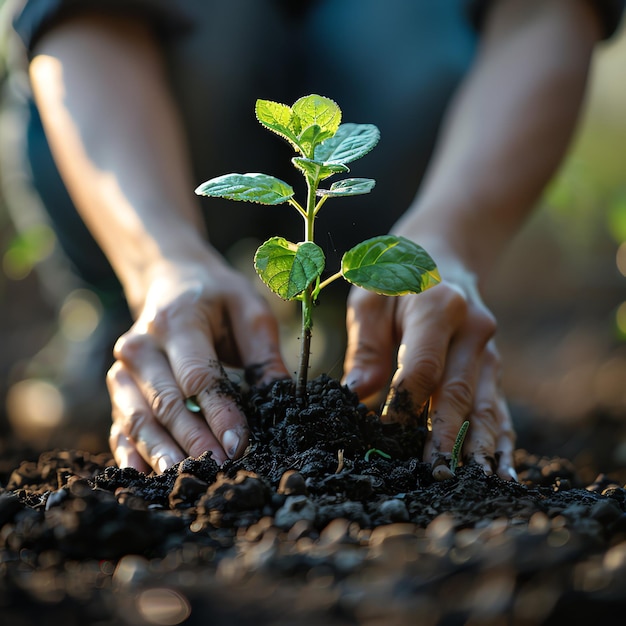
(314, 525)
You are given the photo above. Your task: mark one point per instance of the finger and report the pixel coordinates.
(492, 440)
(370, 343)
(505, 446)
(136, 437)
(257, 338)
(455, 399)
(199, 374)
(164, 399)
(429, 322)
(124, 450)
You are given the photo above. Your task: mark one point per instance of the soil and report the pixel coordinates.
(314, 525)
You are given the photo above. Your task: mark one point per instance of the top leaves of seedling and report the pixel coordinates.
(390, 265)
(259, 188)
(310, 120)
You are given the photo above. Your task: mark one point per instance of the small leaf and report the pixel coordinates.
(316, 170)
(317, 110)
(259, 188)
(311, 137)
(288, 268)
(280, 119)
(390, 265)
(349, 143)
(348, 187)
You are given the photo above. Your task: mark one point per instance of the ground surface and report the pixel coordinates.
(309, 528)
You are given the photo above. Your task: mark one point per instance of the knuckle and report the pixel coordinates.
(482, 447)
(492, 357)
(459, 393)
(195, 441)
(224, 413)
(362, 303)
(367, 351)
(427, 370)
(163, 403)
(453, 300)
(178, 311)
(128, 347)
(486, 412)
(445, 436)
(115, 373)
(134, 423)
(161, 321)
(192, 375)
(483, 324)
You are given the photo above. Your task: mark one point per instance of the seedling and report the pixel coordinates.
(458, 445)
(387, 264)
(371, 451)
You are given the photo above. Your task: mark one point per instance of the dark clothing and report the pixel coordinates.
(394, 64)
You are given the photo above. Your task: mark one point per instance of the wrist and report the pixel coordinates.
(458, 235)
(183, 254)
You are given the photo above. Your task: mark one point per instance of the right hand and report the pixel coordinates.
(193, 318)
(437, 346)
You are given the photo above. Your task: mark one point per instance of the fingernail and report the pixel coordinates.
(164, 463)
(513, 474)
(230, 442)
(353, 380)
(442, 472)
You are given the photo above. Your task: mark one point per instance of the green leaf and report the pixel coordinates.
(319, 111)
(316, 170)
(311, 120)
(349, 143)
(279, 118)
(311, 137)
(348, 187)
(288, 268)
(390, 265)
(259, 188)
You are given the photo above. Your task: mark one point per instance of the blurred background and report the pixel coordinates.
(559, 296)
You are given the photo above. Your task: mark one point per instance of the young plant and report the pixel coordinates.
(387, 264)
(458, 445)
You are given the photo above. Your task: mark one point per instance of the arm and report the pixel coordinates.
(504, 135)
(508, 128)
(115, 134)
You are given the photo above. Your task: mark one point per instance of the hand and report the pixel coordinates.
(191, 321)
(447, 355)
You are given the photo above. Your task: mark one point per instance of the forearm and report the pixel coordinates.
(116, 137)
(507, 130)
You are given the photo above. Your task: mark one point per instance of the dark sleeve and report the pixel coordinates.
(36, 16)
(609, 11)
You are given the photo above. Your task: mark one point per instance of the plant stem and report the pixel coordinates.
(329, 280)
(307, 299)
(305, 344)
